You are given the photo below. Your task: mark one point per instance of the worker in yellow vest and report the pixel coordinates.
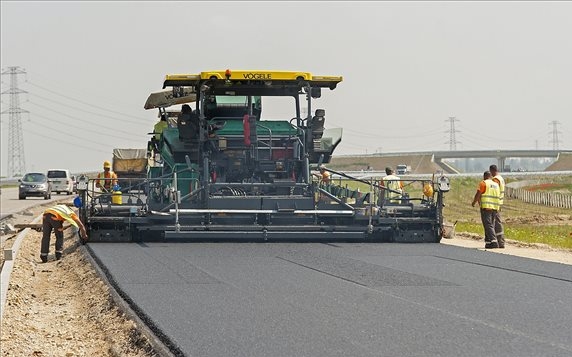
(160, 126)
(488, 196)
(54, 218)
(394, 185)
(499, 229)
(158, 129)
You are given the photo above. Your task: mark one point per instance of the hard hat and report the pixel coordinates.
(106, 164)
(428, 190)
(322, 167)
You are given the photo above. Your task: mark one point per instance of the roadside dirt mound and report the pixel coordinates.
(420, 164)
(541, 219)
(564, 163)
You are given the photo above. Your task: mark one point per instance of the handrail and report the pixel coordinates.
(269, 145)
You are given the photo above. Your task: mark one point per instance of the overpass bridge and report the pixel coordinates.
(430, 161)
(500, 155)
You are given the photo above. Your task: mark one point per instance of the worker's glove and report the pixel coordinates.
(82, 239)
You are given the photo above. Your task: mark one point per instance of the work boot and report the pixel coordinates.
(58, 255)
(491, 245)
(44, 258)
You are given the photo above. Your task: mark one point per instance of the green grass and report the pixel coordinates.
(523, 222)
(557, 236)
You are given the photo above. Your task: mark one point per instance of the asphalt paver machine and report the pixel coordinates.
(238, 164)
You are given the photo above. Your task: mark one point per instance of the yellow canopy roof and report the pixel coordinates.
(176, 80)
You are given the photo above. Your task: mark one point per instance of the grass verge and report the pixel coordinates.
(523, 222)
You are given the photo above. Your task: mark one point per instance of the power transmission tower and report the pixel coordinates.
(452, 134)
(16, 159)
(554, 141)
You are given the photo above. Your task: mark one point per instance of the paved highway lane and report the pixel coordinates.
(283, 299)
(10, 204)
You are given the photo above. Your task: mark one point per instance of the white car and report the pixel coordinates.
(62, 181)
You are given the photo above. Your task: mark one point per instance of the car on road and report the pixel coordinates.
(61, 181)
(401, 169)
(35, 184)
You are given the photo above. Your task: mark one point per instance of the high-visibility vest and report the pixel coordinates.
(501, 187)
(158, 129)
(111, 179)
(491, 198)
(63, 211)
(393, 183)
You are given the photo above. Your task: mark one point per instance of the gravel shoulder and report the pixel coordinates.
(512, 247)
(63, 308)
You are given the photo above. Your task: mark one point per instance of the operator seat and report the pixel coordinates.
(318, 123)
(188, 124)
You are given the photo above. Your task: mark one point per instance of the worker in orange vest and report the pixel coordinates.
(488, 197)
(106, 179)
(324, 175)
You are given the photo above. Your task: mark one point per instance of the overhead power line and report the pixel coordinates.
(83, 102)
(43, 135)
(98, 125)
(82, 109)
(107, 133)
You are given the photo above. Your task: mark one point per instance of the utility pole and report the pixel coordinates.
(452, 134)
(554, 141)
(16, 159)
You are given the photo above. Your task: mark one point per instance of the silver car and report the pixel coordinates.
(35, 184)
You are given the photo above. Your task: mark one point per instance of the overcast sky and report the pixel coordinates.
(502, 69)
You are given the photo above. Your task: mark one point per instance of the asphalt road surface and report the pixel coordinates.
(310, 299)
(9, 202)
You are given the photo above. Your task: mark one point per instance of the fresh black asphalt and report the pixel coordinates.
(338, 299)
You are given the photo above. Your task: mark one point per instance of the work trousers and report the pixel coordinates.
(48, 223)
(488, 217)
(499, 229)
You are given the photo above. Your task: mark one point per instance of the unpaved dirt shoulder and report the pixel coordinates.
(63, 308)
(512, 247)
